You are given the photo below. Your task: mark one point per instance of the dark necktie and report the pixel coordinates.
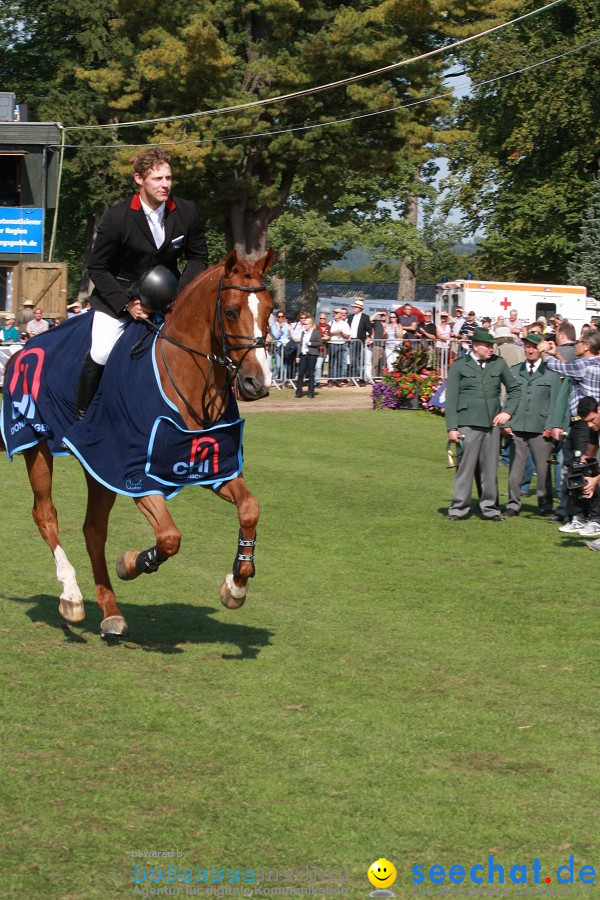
(481, 362)
(530, 369)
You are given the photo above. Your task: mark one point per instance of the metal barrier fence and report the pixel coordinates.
(354, 362)
(351, 362)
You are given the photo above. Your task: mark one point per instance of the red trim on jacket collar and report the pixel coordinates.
(136, 203)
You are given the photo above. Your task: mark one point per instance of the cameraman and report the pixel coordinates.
(583, 504)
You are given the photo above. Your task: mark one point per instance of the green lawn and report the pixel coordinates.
(396, 685)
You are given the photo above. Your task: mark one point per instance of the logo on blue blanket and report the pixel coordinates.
(21, 395)
(177, 456)
(24, 408)
(203, 459)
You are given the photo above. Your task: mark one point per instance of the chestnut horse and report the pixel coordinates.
(213, 336)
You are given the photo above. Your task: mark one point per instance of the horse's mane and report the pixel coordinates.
(193, 285)
(205, 276)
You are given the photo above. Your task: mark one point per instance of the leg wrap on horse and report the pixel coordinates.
(89, 379)
(244, 557)
(148, 561)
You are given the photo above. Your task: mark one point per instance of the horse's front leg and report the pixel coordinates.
(235, 586)
(39, 468)
(168, 540)
(95, 531)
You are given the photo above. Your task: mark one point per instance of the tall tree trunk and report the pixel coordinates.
(309, 295)
(237, 228)
(407, 279)
(278, 282)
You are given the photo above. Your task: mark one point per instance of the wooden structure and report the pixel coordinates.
(29, 154)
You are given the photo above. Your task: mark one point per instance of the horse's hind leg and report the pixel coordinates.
(95, 530)
(235, 586)
(39, 468)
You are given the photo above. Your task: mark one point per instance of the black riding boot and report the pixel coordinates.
(89, 379)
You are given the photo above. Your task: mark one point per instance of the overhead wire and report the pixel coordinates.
(318, 88)
(344, 120)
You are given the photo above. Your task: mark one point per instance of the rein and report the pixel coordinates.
(225, 361)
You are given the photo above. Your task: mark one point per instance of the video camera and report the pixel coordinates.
(578, 471)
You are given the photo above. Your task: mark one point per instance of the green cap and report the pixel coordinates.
(534, 338)
(482, 336)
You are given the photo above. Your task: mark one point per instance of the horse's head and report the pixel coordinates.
(245, 309)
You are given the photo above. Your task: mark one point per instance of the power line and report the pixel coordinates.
(318, 88)
(345, 120)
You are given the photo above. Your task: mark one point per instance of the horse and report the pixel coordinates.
(212, 338)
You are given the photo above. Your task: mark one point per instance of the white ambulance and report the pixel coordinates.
(498, 298)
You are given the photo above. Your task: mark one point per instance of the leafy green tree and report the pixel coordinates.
(114, 61)
(585, 267)
(525, 149)
(386, 273)
(440, 238)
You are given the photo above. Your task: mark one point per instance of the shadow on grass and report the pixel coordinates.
(160, 628)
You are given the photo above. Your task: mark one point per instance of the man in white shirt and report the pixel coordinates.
(361, 329)
(459, 321)
(339, 335)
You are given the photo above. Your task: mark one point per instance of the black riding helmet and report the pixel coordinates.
(157, 288)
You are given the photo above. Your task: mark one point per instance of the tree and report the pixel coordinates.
(525, 149)
(130, 60)
(333, 211)
(585, 267)
(440, 260)
(44, 46)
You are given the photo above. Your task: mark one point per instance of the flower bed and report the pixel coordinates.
(409, 384)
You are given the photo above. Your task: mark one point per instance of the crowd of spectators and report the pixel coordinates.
(357, 347)
(31, 322)
(535, 388)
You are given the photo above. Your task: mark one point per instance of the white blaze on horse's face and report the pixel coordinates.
(261, 353)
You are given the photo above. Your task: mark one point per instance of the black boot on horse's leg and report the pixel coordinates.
(231, 595)
(89, 379)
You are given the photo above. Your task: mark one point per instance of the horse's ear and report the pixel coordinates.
(230, 262)
(264, 264)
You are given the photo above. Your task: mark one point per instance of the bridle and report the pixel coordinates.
(225, 361)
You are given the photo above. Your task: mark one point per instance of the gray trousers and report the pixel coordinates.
(482, 445)
(540, 450)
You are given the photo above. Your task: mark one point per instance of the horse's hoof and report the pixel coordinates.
(114, 625)
(71, 610)
(232, 597)
(126, 569)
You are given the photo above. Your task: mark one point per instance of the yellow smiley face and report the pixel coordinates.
(381, 873)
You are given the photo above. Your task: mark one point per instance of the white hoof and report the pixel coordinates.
(71, 608)
(232, 596)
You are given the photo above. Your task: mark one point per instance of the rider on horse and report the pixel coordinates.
(151, 229)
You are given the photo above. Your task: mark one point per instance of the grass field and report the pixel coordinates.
(396, 685)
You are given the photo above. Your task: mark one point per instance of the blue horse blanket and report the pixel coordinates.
(132, 439)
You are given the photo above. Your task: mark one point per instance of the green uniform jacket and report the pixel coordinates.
(538, 399)
(473, 393)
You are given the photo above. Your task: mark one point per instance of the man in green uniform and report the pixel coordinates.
(473, 412)
(531, 426)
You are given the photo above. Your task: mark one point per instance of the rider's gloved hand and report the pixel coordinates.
(137, 310)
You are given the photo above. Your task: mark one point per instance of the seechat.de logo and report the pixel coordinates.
(494, 873)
